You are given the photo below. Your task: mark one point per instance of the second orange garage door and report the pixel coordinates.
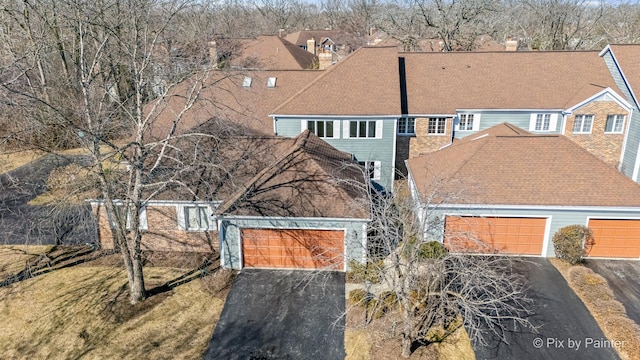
(509, 235)
(615, 238)
(293, 249)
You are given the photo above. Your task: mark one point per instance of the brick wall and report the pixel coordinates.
(163, 233)
(607, 147)
(424, 143)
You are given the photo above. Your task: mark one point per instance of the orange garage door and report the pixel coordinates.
(293, 249)
(522, 236)
(615, 238)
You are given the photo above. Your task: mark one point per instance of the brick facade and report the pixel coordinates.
(605, 146)
(424, 143)
(163, 233)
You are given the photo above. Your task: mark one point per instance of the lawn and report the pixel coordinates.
(83, 311)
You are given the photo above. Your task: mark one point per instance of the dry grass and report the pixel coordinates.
(608, 312)
(13, 160)
(375, 342)
(14, 258)
(83, 311)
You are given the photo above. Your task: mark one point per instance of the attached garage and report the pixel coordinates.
(509, 235)
(293, 248)
(615, 238)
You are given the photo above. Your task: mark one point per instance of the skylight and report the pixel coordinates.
(247, 81)
(271, 82)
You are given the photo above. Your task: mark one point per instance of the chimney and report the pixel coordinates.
(213, 53)
(281, 33)
(311, 45)
(511, 45)
(325, 59)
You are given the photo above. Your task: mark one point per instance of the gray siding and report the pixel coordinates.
(633, 136)
(556, 218)
(364, 149)
(520, 119)
(230, 241)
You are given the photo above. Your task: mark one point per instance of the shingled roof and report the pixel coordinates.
(364, 83)
(310, 178)
(498, 168)
(225, 97)
(441, 83)
(274, 53)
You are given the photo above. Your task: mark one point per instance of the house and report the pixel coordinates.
(354, 106)
(434, 99)
(507, 190)
(622, 63)
(268, 202)
(329, 45)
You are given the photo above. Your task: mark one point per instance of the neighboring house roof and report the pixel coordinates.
(299, 38)
(503, 167)
(364, 83)
(441, 83)
(273, 53)
(223, 96)
(310, 178)
(626, 56)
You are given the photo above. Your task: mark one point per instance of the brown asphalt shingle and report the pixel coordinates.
(364, 83)
(224, 97)
(309, 179)
(441, 83)
(275, 53)
(520, 170)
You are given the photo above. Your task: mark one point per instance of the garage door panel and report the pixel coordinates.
(615, 238)
(523, 236)
(308, 249)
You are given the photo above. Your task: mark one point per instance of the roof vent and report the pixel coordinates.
(271, 82)
(246, 82)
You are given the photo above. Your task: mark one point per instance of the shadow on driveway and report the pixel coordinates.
(567, 329)
(623, 278)
(282, 314)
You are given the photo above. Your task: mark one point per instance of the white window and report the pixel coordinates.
(246, 82)
(436, 126)
(321, 128)
(371, 168)
(543, 122)
(271, 82)
(367, 129)
(615, 124)
(196, 218)
(583, 124)
(407, 126)
(468, 122)
(121, 208)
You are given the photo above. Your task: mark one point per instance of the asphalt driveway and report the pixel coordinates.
(567, 329)
(623, 277)
(282, 314)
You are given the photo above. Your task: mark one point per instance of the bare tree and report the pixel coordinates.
(558, 24)
(95, 72)
(423, 288)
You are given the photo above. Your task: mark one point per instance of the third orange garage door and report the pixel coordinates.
(615, 238)
(510, 235)
(293, 248)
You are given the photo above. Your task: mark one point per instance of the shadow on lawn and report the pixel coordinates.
(58, 257)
